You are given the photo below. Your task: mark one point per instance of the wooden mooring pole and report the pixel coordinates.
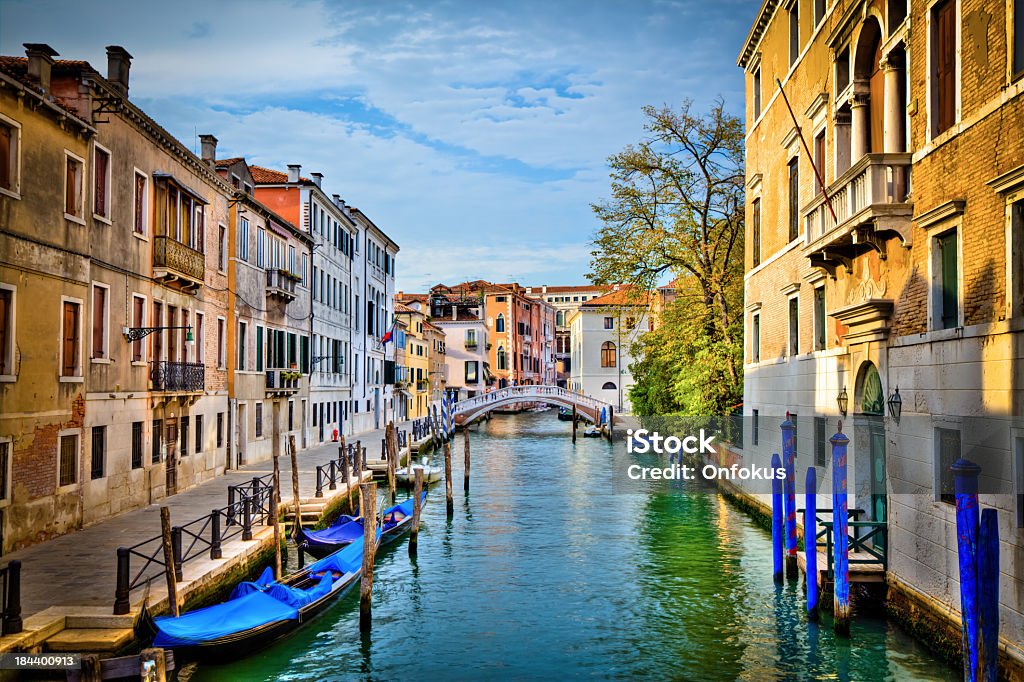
(777, 521)
(275, 519)
(172, 583)
(810, 542)
(347, 471)
(789, 491)
(465, 452)
(575, 420)
(417, 506)
(449, 503)
(368, 495)
(297, 522)
(391, 442)
(840, 540)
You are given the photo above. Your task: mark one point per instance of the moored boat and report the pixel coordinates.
(431, 474)
(346, 529)
(564, 414)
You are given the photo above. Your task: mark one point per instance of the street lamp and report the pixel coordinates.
(843, 400)
(136, 333)
(895, 404)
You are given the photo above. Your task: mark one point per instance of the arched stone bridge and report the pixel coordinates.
(471, 409)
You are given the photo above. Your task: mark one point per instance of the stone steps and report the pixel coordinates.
(90, 640)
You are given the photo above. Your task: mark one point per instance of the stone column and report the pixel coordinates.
(894, 128)
(860, 126)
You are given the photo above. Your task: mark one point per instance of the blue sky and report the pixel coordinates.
(475, 133)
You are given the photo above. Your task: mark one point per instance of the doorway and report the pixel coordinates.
(242, 436)
(171, 465)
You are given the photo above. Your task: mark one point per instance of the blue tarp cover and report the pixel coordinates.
(338, 533)
(235, 615)
(347, 560)
(244, 588)
(293, 596)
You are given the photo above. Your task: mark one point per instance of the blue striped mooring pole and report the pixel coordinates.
(965, 487)
(988, 589)
(840, 540)
(811, 542)
(777, 524)
(789, 462)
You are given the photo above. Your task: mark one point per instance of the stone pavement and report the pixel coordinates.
(80, 569)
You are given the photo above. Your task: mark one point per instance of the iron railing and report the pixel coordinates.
(178, 376)
(281, 283)
(870, 538)
(10, 598)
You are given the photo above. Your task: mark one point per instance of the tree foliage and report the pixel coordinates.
(676, 210)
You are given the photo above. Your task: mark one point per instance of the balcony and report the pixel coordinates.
(422, 385)
(283, 381)
(178, 264)
(471, 344)
(281, 285)
(868, 199)
(179, 377)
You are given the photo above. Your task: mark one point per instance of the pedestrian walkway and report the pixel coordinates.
(80, 569)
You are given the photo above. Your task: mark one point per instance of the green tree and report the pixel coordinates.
(676, 210)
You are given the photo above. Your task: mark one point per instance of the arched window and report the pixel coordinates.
(607, 354)
(560, 318)
(502, 359)
(608, 386)
(499, 324)
(872, 398)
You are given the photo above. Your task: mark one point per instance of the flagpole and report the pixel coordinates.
(800, 133)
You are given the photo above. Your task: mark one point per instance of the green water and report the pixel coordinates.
(549, 570)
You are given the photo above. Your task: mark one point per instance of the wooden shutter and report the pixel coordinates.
(950, 284)
(69, 354)
(137, 315)
(6, 314)
(756, 220)
(98, 310)
(6, 157)
(70, 205)
(140, 203)
(944, 54)
(259, 349)
(100, 182)
(158, 337)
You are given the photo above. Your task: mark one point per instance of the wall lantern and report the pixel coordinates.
(843, 400)
(895, 404)
(136, 333)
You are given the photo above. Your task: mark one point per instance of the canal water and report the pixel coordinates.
(549, 570)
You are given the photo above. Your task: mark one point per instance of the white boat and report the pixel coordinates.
(431, 474)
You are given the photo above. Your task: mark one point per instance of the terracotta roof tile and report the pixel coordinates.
(624, 295)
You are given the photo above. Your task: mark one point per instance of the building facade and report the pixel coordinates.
(884, 268)
(565, 300)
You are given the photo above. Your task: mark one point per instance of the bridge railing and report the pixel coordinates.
(527, 392)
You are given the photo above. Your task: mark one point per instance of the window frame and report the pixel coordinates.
(75, 433)
(608, 350)
(793, 325)
(222, 342)
(937, 283)
(940, 472)
(1015, 14)
(97, 472)
(820, 318)
(104, 357)
(932, 89)
(755, 231)
(141, 445)
(78, 375)
(145, 210)
(10, 340)
(793, 199)
(755, 337)
(68, 157)
(15, 158)
(108, 207)
(795, 46)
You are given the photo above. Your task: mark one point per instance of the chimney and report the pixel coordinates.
(208, 148)
(337, 200)
(40, 63)
(294, 169)
(118, 64)
(318, 178)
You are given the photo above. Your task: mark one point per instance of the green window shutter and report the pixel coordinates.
(304, 354)
(949, 281)
(259, 349)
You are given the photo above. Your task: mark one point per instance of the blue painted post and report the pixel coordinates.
(965, 486)
(988, 590)
(811, 542)
(789, 461)
(777, 524)
(840, 544)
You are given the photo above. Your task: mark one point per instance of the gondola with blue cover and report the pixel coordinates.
(396, 521)
(261, 611)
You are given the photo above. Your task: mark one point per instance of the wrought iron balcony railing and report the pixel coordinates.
(282, 381)
(173, 260)
(188, 377)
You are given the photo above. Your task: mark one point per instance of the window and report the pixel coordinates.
(6, 330)
(819, 161)
(794, 326)
(947, 286)
(261, 247)
(157, 440)
(819, 11)
(220, 429)
(756, 87)
(608, 386)
(755, 339)
(305, 270)
(259, 420)
(755, 228)
(73, 168)
(754, 425)
(843, 70)
(70, 339)
(200, 338)
(794, 32)
(949, 452)
(101, 182)
(242, 328)
(98, 454)
(502, 358)
(608, 354)
(138, 320)
(5, 473)
(136, 445)
(243, 239)
(222, 248)
(609, 323)
(99, 321)
(221, 357)
(472, 371)
(67, 465)
(499, 324)
(821, 441)
(1018, 39)
(794, 200)
(10, 137)
(943, 65)
(291, 415)
(183, 432)
(819, 318)
(259, 348)
(157, 337)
